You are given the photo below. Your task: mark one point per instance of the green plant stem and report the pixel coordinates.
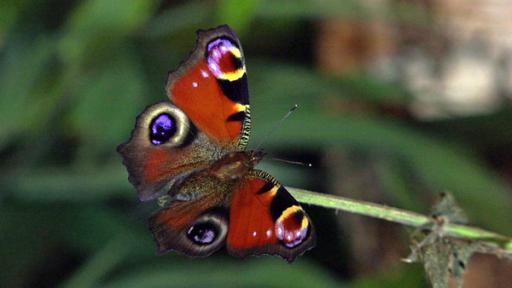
(400, 216)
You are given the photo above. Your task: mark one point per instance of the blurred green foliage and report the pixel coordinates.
(73, 77)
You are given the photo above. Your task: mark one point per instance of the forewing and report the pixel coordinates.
(211, 88)
(163, 149)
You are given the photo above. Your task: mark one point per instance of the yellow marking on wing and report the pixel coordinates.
(290, 211)
(273, 191)
(233, 76)
(305, 223)
(236, 52)
(239, 73)
(240, 107)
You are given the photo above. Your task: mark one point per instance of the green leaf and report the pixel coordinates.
(106, 101)
(238, 15)
(395, 276)
(403, 13)
(263, 272)
(95, 26)
(398, 182)
(310, 9)
(10, 11)
(191, 14)
(72, 185)
(22, 70)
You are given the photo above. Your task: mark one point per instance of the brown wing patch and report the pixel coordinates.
(154, 167)
(195, 228)
(196, 222)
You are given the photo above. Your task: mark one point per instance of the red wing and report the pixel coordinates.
(212, 111)
(266, 219)
(195, 228)
(211, 88)
(163, 148)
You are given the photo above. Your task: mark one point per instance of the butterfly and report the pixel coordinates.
(192, 149)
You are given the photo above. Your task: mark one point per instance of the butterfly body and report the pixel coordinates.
(225, 172)
(192, 150)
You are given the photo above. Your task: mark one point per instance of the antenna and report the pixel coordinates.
(292, 162)
(278, 125)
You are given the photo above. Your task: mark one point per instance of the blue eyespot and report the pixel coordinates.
(162, 128)
(202, 233)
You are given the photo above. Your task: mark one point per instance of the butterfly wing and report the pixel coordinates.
(197, 226)
(210, 116)
(163, 149)
(211, 88)
(266, 219)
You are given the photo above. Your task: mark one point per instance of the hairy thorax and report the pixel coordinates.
(219, 178)
(235, 165)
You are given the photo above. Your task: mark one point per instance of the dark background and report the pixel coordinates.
(399, 100)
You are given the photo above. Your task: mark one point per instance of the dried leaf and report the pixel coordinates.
(443, 258)
(448, 209)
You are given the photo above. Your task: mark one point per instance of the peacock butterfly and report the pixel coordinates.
(192, 150)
